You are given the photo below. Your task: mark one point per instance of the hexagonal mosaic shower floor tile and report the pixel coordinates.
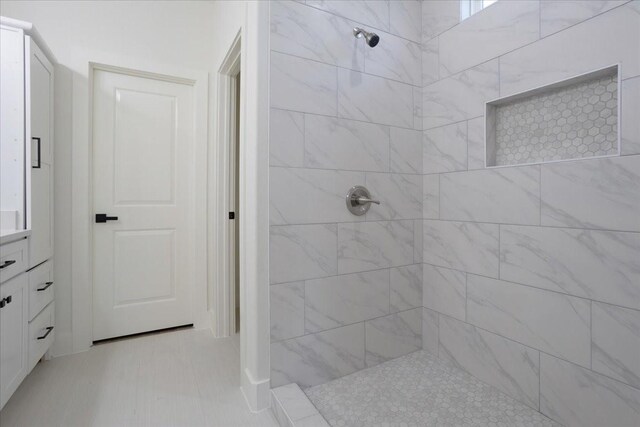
(418, 390)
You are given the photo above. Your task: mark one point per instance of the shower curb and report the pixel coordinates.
(292, 408)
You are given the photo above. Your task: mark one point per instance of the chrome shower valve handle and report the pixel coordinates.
(359, 200)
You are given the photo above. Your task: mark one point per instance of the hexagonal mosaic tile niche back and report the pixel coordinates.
(572, 122)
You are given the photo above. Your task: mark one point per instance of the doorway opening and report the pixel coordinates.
(234, 205)
(226, 298)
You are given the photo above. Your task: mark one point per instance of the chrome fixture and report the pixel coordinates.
(372, 39)
(359, 200)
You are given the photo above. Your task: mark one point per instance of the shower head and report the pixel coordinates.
(372, 39)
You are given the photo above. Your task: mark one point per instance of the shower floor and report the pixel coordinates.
(418, 390)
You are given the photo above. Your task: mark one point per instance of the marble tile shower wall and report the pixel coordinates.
(346, 291)
(531, 274)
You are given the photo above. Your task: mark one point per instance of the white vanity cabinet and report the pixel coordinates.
(27, 285)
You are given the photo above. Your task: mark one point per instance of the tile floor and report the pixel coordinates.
(180, 378)
(418, 390)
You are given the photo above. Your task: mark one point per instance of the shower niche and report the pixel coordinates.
(572, 119)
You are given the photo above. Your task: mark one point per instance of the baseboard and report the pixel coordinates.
(256, 393)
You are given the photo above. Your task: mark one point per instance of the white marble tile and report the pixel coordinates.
(430, 62)
(298, 252)
(342, 300)
(629, 123)
(431, 196)
(393, 336)
(400, 196)
(503, 195)
(286, 302)
(333, 143)
(616, 342)
(511, 367)
(576, 396)
(303, 85)
(318, 358)
(607, 39)
(417, 107)
(430, 331)
(312, 421)
(406, 151)
(395, 58)
(555, 323)
(310, 33)
(294, 402)
(475, 143)
(465, 246)
(372, 245)
(279, 413)
(405, 288)
(598, 193)
(599, 265)
(374, 99)
(286, 138)
(417, 241)
(439, 16)
(373, 13)
(445, 149)
(556, 15)
(304, 196)
(445, 291)
(461, 96)
(406, 19)
(500, 29)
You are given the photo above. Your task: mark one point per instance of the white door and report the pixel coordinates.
(143, 140)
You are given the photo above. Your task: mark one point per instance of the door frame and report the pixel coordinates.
(82, 200)
(252, 39)
(222, 298)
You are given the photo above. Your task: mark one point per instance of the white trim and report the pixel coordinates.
(82, 207)
(223, 293)
(254, 206)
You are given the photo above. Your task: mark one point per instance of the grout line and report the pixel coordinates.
(338, 117)
(541, 352)
(328, 64)
(533, 287)
(591, 334)
(520, 47)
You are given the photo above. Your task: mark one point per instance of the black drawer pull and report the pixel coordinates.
(45, 287)
(7, 263)
(46, 334)
(6, 301)
(3, 302)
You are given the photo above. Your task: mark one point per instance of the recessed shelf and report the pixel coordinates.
(571, 119)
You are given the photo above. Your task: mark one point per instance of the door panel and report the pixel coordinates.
(145, 129)
(41, 199)
(143, 138)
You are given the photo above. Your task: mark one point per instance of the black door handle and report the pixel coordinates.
(7, 263)
(105, 218)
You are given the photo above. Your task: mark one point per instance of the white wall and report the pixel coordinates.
(346, 290)
(192, 35)
(532, 273)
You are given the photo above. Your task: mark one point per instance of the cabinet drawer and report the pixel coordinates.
(13, 259)
(40, 288)
(41, 335)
